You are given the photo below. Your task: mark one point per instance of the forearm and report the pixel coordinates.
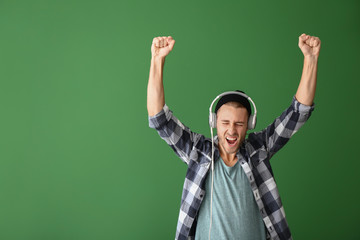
(306, 91)
(155, 90)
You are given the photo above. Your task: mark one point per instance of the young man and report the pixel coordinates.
(246, 201)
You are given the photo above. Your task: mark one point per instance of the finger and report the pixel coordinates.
(308, 41)
(317, 42)
(157, 42)
(161, 42)
(312, 41)
(165, 41)
(303, 37)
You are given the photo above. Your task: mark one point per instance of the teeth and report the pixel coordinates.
(231, 139)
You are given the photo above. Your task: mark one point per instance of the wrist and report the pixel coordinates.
(157, 64)
(158, 59)
(311, 58)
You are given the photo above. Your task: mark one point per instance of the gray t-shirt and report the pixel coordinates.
(235, 212)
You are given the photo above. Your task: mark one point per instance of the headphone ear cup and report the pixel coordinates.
(212, 120)
(252, 122)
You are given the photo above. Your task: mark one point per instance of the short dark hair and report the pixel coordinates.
(234, 98)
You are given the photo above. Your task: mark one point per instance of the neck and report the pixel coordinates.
(228, 157)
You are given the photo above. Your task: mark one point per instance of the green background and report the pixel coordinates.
(77, 158)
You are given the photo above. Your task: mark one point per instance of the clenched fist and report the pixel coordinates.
(309, 45)
(162, 46)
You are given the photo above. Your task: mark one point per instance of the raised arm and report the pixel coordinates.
(310, 47)
(160, 48)
(179, 137)
(279, 132)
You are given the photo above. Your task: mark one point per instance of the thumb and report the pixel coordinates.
(302, 39)
(171, 42)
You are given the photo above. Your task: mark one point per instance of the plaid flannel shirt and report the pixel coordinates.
(254, 155)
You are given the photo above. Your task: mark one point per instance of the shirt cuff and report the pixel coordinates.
(160, 118)
(301, 108)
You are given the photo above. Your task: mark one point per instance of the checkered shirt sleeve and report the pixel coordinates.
(180, 138)
(279, 132)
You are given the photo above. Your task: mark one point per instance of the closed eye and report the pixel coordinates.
(237, 123)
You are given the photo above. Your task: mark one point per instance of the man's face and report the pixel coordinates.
(231, 127)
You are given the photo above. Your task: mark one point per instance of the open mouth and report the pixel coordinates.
(231, 141)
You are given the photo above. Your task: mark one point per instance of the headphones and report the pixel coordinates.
(212, 123)
(252, 117)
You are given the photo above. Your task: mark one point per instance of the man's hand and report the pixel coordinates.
(309, 45)
(162, 46)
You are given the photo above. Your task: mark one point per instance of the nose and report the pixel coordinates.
(231, 129)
